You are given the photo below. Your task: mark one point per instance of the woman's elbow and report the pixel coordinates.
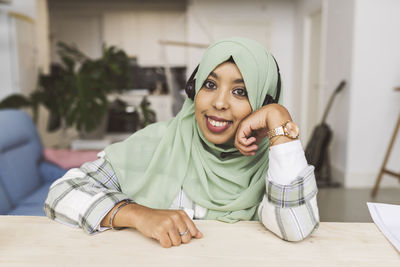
(305, 234)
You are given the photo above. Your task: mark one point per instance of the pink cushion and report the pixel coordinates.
(68, 159)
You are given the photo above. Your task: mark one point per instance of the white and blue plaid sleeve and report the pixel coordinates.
(84, 196)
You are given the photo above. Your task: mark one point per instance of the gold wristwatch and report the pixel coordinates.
(288, 128)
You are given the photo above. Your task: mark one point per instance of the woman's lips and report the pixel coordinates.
(217, 125)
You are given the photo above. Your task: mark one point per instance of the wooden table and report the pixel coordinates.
(30, 241)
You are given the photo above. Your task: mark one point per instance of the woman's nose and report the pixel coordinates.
(221, 100)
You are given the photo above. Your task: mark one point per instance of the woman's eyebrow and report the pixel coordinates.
(238, 81)
(213, 74)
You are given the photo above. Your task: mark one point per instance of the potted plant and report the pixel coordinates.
(75, 92)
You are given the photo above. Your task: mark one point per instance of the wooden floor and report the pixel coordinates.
(349, 205)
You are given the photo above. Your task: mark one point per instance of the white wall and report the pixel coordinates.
(374, 106)
(83, 31)
(138, 32)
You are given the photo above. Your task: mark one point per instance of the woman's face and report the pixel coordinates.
(222, 103)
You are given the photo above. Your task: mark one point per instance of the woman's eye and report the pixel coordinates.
(240, 92)
(210, 85)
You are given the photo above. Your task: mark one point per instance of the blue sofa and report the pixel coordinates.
(25, 177)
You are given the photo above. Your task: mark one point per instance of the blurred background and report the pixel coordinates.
(90, 73)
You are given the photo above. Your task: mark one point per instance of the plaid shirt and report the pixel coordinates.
(84, 196)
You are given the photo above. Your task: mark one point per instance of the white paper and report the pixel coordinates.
(387, 218)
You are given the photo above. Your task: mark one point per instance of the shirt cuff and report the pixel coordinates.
(286, 161)
(96, 212)
(301, 190)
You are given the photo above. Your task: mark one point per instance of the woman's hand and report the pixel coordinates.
(165, 225)
(162, 225)
(253, 129)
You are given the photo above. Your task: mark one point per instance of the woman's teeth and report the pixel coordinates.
(217, 123)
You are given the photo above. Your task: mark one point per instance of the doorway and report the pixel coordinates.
(311, 109)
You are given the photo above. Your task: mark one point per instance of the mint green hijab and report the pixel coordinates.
(153, 164)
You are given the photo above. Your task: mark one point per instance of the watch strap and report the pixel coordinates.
(275, 132)
(280, 131)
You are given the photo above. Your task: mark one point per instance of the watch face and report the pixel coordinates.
(292, 130)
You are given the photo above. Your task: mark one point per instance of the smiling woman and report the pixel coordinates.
(228, 155)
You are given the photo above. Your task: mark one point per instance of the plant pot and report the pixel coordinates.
(97, 133)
